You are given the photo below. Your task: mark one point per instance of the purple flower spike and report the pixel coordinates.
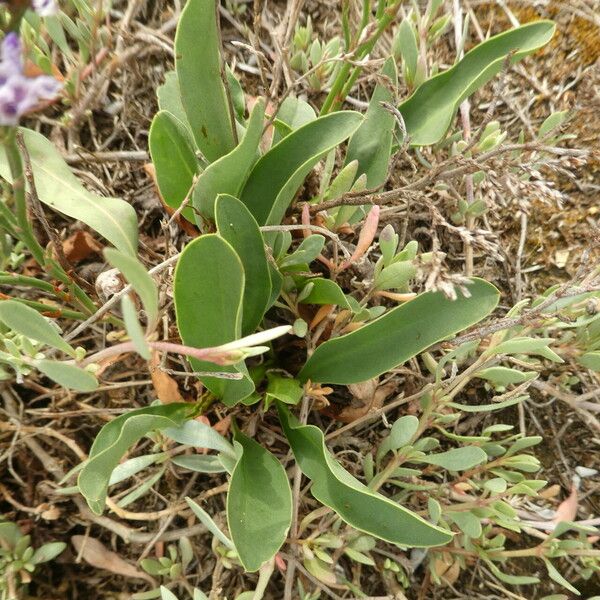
(18, 93)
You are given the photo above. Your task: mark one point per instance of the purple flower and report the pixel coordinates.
(18, 93)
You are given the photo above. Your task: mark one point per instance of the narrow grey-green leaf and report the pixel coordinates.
(208, 521)
(115, 438)
(199, 435)
(371, 143)
(457, 459)
(199, 69)
(133, 328)
(399, 335)
(199, 463)
(228, 174)
(136, 274)
(174, 161)
(58, 188)
(259, 504)
(276, 177)
(237, 226)
(359, 506)
(208, 291)
(28, 322)
(429, 111)
(67, 375)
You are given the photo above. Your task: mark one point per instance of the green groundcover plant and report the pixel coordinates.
(268, 319)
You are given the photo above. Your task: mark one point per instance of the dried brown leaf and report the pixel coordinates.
(96, 554)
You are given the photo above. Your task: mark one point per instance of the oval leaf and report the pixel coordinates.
(208, 291)
(28, 322)
(198, 66)
(238, 227)
(399, 335)
(356, 504)
(429, 111)
(58, 188)
(174, 160)
(115, 438)
(277, 176)
(259, 504)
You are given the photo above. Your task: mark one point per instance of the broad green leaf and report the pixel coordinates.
(169, 99)
(292, 113)
(133, 327)
(199, 68)
(10, 533)
(199, 435)
(360, 507)
(429, 111)
(237, 226)
(590, 360)
(259, 504)
(467, 522)
(208, 291)
(396, 276)
(228, 174)
(325, 291)
(69, 376)
(58, 188)
(113, 441)
(399, 335)
(174, 160)
(208, 521)
(284, 389)
(28, 322)
(276, 177)
(307, 251)
(457, 459)
(136, 274)
(371, 143)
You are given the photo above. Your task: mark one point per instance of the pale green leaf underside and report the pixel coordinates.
(29, 322)
(58, 188)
